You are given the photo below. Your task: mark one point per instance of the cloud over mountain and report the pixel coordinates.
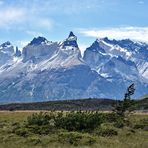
(134, 33)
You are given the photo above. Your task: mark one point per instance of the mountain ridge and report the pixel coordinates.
(47, 70)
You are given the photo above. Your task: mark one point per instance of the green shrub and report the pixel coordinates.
(137, 126)
(76, 138)
(43, 123)
(38, 119)
(34, 140)
(70, 137)
(142, 124)
(106, 130)
(119, 123)
(15, 126)
(40, 123)
(41, 130)
(78, 121)
(22, 132)
(144, 121)
(108, 117)
(3, 124)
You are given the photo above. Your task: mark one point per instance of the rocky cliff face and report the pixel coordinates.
(48, 70)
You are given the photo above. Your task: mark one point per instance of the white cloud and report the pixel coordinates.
(82, 47)
(64, 7)
(34, 33)
(23, 15)
(44, 23)
(22, 43)
(38, 14)
(10, 16)
(134, 33)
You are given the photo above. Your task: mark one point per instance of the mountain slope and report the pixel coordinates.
(120, 62)
(47, 70)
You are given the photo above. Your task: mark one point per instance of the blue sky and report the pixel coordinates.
(21, 20)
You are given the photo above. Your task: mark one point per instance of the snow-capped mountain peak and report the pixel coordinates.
(56, 70)
(39, 48)
(71, 34)
(39, 40)
(5, 45)
(70, 41)
(7, 48)
(95, 47)
(6, 53)
(122, 62)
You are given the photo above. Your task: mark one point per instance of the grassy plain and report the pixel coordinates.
(127, 137)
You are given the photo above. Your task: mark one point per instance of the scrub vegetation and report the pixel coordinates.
(72, 129)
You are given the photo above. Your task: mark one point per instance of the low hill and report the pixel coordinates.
(81, 104)
(142, 104)
(69, 105)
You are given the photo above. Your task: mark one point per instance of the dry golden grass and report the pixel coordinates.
(124, 139)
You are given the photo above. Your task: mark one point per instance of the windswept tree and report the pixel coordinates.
(130, 91)
(126, 105)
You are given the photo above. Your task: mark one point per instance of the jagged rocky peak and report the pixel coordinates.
(104, 40)
(107, 40)
(38, 48)
(51, 70)
(114, 41)
(95, 47)
(39, 40)
(124, 43)
(71, 40)
(17, 52)
(95, 55)
(6, 44)
(7, 48)
(71, 34)
(6, 53)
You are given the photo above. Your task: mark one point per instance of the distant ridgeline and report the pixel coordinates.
(74, 105)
